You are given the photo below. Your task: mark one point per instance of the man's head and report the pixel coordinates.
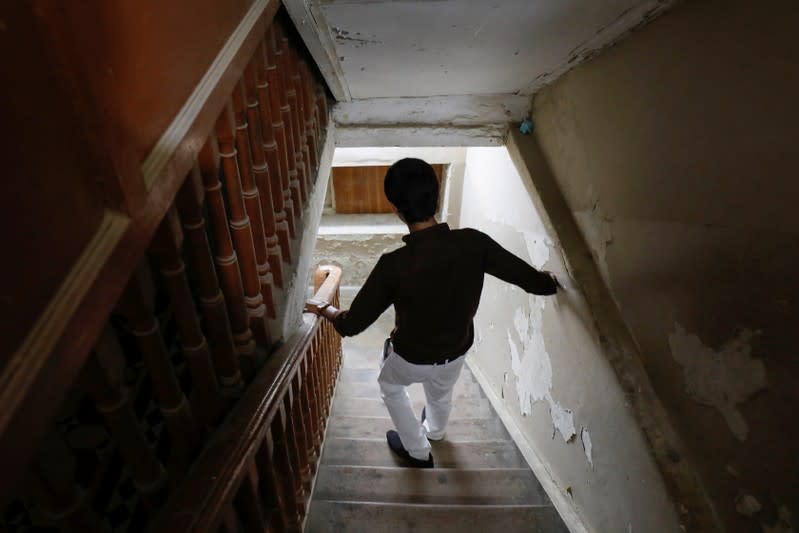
(412, 186)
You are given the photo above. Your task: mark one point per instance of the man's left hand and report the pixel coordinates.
(315, 306)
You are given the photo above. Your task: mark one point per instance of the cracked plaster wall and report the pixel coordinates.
(676, 152)
(356, 254)
(541, 357)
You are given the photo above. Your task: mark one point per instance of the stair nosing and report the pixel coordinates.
(478, 469)
(443, 505)
(455, 443)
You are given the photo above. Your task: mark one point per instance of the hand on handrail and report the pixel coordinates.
(321, 308)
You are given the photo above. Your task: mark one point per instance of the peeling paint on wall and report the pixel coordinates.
(563, 419)
(587, 446)
(722, 379)
(537, 247)
(533, 368)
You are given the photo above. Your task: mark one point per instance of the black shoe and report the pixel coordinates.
(396, 446)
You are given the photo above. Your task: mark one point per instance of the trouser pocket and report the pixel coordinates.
(386, 348)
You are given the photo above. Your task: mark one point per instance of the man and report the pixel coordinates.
(434, 283)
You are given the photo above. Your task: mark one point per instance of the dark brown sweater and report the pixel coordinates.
(434, 283)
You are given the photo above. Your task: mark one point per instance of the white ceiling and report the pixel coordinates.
(400, 48)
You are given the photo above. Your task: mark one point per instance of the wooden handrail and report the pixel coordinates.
(221, 482)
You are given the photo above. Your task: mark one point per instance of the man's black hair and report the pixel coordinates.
(412, 186)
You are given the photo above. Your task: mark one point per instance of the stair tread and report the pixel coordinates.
(458, 430)
(343, 516)
(464, 455)
(358, 374)
(374, 407)
(462, 389)
(506, 486)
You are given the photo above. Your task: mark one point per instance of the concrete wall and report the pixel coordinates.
(355, 253)
(540, 361)
(676, 152)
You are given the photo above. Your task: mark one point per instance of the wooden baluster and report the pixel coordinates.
(296, 446)
(136, 307)
(336, 336)
(205, 399)
(331, 348)
(51, 484)
(305, 386)
(279, 107)
(321, 101)
(324, 364)
(286, 68)
(297, 422)
(325, 371)
(248, 502)
(290, 187)
(271, 486)
(314, 396)
(303, 161)
(323, 377)
(226, 259)
(212, 301)
(241, 230)
(297, 111)
(320, 130)
(285, 462)
(261, 173)
(251, 196)
(275, 142)
(311, 125)
(101, 377)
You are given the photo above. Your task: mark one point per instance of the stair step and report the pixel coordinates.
(342, 516)
(431, 486)
(350, 374)
(463, 389)
(373, 407)
(446, 454)
(363, 427)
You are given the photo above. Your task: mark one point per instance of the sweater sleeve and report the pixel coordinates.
(504, 265)
(370, 302)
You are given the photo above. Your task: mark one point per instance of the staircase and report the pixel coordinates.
(480, 483)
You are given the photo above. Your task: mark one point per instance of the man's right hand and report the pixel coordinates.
(554, 281)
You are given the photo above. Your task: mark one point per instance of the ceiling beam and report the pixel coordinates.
(454, 110)
(310, 21)
(373, 136)
(457, 120)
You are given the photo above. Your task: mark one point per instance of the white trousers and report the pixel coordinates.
(438, 381)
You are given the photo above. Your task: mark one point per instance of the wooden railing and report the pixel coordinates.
(212, 219)
(256, 473)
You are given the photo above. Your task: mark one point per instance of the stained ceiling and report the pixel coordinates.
(419, 48)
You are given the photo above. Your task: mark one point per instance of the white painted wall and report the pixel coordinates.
(539, 360)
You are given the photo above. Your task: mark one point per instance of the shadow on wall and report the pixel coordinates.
(540, 359)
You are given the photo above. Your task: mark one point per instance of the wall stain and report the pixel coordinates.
(721, 379)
